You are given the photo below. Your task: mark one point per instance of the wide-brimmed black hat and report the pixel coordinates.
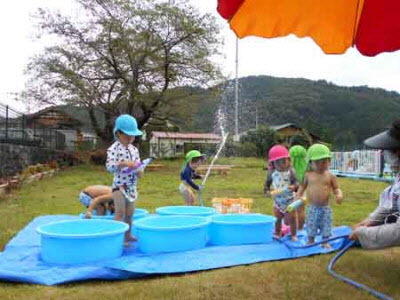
(389, 139)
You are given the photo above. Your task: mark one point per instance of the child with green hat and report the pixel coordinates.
(193, 159)
(319, 182)
(298, 156)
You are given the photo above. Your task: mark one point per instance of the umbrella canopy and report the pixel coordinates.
(373, 26)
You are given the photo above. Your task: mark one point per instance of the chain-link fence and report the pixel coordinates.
(15, 128)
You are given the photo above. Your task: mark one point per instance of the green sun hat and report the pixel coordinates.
(192, 154)
(318, 151)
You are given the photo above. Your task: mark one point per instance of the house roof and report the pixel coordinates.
(185, 135)
(286, 125)
(54, 115)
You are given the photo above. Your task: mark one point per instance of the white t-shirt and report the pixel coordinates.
(116, 153)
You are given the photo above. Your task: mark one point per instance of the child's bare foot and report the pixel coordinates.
(277, 236)
(326, 246)
(294, 238)
(131, 238)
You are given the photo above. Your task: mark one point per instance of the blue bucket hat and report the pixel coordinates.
(127, 124)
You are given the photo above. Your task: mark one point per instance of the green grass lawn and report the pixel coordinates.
(304, 278)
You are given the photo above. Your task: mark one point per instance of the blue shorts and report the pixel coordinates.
(85, 199)
(319, 221)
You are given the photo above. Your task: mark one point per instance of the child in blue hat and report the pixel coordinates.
(122, 160)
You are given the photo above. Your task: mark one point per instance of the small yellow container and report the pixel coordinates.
(229, 205)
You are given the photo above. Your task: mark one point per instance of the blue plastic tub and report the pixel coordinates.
(139, 213)
(171, 233)
(241, 229)
(200, 211)
(81, 241)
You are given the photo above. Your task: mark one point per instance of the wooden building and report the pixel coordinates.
(170, 144)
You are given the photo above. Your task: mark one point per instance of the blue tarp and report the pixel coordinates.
(21, 261)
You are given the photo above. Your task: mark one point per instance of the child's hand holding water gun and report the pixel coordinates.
(297, 204)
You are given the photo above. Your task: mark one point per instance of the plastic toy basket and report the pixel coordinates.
(229, 205)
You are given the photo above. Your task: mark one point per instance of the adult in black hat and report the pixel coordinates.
(382, 228)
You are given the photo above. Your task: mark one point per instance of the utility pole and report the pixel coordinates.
(256, 117)
(236, 136)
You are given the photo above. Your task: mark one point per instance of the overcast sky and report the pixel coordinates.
(281, 57)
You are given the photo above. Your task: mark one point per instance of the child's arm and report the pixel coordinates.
(336, 190)
(97, 201)
(187, 177)
(139, 174)
(302, 187)
(294, 182)
(267, 184)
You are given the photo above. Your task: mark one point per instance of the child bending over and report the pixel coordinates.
(98, 198)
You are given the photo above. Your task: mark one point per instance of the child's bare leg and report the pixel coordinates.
(293, 225)
(119, 203)
(278, 229)
(100, 209)
(326, 245)
(278, 223)
(189, 197)
(130, 209)
(120, 210)
(300, 217)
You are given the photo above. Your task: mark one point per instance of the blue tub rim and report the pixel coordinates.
(123, 229)
(205, 222)
(143, 212)
(207, 209)
(212, 218)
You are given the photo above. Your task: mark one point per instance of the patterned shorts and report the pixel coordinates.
(319, 220)
(186, 192)
(85, 199)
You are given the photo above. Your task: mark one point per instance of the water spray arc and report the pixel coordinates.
(221, 120)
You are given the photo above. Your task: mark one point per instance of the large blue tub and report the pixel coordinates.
(240, 229)
(171, 233)
(81, 241)
(200, 211)
(139, 213)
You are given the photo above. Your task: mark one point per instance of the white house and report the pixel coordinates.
(170, 144)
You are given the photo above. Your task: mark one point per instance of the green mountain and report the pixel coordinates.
(343, 116)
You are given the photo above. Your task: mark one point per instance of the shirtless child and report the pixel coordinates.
(319, 182)
(98, 198)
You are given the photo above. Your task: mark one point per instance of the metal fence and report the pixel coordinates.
(15, 129)
(360, 163)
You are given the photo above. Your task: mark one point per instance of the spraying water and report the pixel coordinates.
(221, 121)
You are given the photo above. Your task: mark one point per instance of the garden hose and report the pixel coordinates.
(201, 199)
(349, 281)
(340, 277)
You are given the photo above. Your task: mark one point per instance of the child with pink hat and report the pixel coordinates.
(282, 178)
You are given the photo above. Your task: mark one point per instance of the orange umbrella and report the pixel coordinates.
(373, 26)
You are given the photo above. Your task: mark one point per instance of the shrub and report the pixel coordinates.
(98, 156)
(53, 164)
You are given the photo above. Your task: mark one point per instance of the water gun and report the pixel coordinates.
(143, 164)
(296, 204)
(277, 192)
